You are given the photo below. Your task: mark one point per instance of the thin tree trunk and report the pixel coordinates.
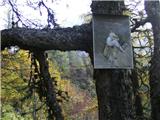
(153, 11)
(51, 100)
(138, 100)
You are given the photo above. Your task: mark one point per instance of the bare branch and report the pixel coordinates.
(139, 23)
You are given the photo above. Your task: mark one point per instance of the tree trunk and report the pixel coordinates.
(113, 87)
(115, 95)
(153, 11)
(51, 101)
(103, 92)
(138, 100)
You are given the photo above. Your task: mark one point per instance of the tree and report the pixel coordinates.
(114, 87)
(153, 12)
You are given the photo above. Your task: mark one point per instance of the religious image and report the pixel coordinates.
(112, 45)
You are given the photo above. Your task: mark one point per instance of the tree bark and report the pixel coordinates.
(115, 95)
(103, 92)
(153, 11)
(64, 39)
(138, 100)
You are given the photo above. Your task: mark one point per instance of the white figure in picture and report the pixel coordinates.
(111, 46)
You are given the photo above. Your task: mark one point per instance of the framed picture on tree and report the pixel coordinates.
(111, 42)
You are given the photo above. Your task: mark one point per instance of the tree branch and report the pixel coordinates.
(76, 38)
(139, 23)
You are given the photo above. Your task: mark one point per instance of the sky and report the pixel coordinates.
(67, 12)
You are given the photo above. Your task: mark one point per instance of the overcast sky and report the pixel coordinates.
(67, 12)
